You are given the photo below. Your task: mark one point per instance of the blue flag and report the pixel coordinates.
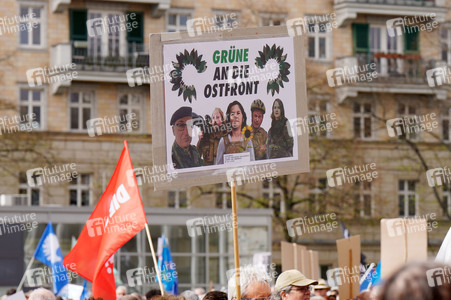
(365, 281)
(377, 275)
(167, 266)
(84, 294)
(49, 253)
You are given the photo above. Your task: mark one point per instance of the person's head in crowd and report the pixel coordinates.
(278, 112)
(200, 292)
(293, 285)
(179, 126)
(215, 295)
(217, 118)
(417, 281)
(168, 297)
(322, 288)
(258, 110)
(138, 296)
(128, 297)
(42, 294)
(254, 283)
(189, 295)
(10, 292)
(365, 295)
(236, 116)
(121, 291)
(59, 298)
(152, 293)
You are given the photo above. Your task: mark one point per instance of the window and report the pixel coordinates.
(407, 198)
(178, 198)
(317, 195)
(223, 196)
(32, 17)
(272, 19)
(32, 102)
(362, 199)
(176, 20)
(372, 43)
(408, 112)
(272, 192)
(33, 194)
(131, 107)
(382, 44)
(362, 120)
(81, 108)
(445, 44)
(225, 19)
(110, 41)
(317, 112)
(80, 190)
(446, 124)
(319, 40)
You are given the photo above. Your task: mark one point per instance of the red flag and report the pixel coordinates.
(117, 218)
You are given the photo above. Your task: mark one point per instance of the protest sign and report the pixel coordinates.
(223, 108)
(314, 264)
(295, 256)
(402, 240)
(349, 267)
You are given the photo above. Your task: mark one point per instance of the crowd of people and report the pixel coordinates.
(227, 134)
(411, 282)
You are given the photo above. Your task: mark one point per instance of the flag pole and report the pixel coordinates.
(235, 241)
(26, 270)
(154, 260)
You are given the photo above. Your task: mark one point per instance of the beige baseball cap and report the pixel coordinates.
(322, 284)
(292, 277)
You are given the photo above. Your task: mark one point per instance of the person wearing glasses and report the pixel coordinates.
(184, 155)
(254, 284)
(293, 285)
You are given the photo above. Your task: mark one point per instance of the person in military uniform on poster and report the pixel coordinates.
(260, 137)
(208, 143)
(280, 143)
(184, 155)
(239, 139)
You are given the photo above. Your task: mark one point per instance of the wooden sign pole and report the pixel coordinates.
(235, 241)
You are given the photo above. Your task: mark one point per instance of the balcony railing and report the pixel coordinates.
(13, 200)
(427, 3)
(396, 68)
(104, 59)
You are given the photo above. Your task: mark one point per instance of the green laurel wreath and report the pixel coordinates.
(184, 59)
(277, 54)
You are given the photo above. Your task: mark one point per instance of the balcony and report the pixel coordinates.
(348, 10)
(396, 73)
(100, 65)
(87, 60)
(14, 200)
(157, 7)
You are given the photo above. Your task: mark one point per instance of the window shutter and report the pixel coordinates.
(136, 34)
(77, 19)
(361, 38)
(411, 41)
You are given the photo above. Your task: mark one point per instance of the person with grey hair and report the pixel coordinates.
(293, 285)
(189, 295)
(254, 283)
(42, 294)
(121, 291)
